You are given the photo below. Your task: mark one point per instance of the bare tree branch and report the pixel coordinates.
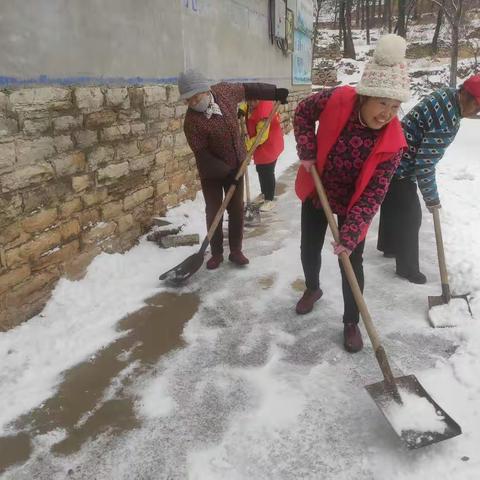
(445, 11)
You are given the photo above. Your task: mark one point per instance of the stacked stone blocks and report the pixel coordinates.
(82, 170)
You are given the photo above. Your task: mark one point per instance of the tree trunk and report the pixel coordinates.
(389, 15)
(434, 47)
(346, 22)
(454, 57)
(457, 20)
(415, 10)
(409, 12)
(341, 21)
(367, 20)
(357, 13)
(401, 27)
(335, 18)
(362, 22)
(315, 30)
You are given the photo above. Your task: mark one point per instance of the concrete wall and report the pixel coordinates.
(136, 41)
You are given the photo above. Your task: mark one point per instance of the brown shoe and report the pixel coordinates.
(214, 261)
(305, 304)
(352, 338)
(238, 258)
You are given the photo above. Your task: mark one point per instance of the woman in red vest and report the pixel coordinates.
(270, 147)
(356, 150)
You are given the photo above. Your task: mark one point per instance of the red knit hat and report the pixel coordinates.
(472, 86)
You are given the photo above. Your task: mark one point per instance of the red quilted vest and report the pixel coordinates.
(332, 120)
(268, 151)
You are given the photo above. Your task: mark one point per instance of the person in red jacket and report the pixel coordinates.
(270, 147)
(356, 150)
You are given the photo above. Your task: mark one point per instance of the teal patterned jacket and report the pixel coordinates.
(430, 127)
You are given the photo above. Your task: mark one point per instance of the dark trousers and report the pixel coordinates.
(400, 220)
(213, 190)
(266, 176)
(314, 227)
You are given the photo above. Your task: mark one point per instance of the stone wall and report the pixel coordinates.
(83, 170)
(287, 111)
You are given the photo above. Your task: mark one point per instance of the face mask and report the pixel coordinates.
(203, 104)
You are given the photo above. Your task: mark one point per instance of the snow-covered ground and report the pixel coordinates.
(255, 392)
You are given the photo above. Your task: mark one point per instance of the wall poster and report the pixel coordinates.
(302, 53)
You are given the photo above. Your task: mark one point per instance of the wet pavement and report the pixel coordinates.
(247, 358)
(81, 407)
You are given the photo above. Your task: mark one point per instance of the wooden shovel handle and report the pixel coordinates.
(380, 354)
(442, 263)
(247, 187)
(243, 129)
(239, 174)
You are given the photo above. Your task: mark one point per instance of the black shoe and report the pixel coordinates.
(417, 277)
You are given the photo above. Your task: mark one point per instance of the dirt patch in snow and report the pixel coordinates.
(94, 396)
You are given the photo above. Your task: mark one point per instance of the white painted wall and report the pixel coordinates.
(80, 41)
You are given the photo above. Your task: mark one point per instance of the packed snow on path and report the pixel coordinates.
(258, 392)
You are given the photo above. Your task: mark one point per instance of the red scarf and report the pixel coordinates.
(332, 121)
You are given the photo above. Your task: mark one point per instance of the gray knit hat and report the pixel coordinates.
(192, 82)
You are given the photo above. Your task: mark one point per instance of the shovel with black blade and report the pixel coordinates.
(445, 319)
(391, 390)
(177, 275)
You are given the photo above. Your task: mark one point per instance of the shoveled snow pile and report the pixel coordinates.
(453, 313)
(415, 413)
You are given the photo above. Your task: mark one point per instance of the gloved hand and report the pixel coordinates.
(249, 143)
(338, 248)
(431, 208)
(307, 164)
(281, 95)
(230, 178)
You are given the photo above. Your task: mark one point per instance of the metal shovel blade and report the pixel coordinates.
(436, 300)
(382, 395)
(252, 215)
(177, 275)
(439, 300)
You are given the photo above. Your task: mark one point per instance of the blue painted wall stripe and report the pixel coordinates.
(131, 81)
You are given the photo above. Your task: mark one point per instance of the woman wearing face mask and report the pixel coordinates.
(211, 129)
(356, 150)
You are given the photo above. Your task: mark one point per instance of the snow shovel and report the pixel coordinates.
(437, 316)
(393, 396)
(177, 275)
(252, 211)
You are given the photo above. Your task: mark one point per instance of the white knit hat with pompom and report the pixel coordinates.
(386, 74)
